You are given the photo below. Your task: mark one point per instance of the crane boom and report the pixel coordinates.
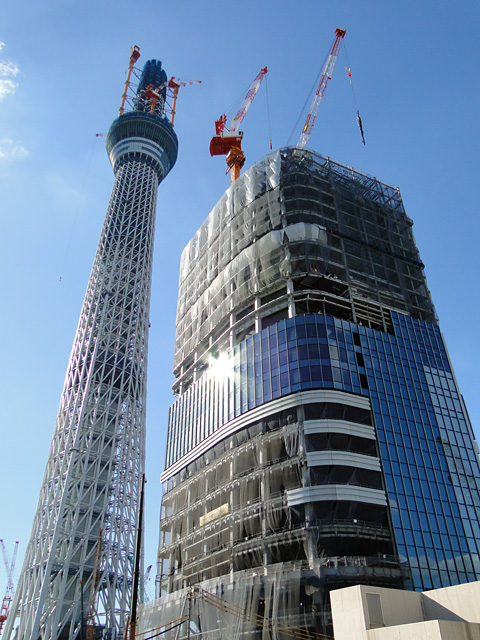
(153, 94)
(175, 86)
(228, 141)
(247, 101)
(317, 100)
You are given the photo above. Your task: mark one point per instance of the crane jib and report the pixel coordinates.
(322, 85)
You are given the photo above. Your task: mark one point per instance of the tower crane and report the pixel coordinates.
(175, 86)
(322, 86)
(153, 94)
(9, 566)
(227, 141)
(144, 596)
(133, 58)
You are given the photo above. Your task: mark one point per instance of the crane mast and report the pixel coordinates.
(133, 58)
(322, 86)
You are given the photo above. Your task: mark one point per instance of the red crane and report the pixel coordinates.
(133, 58)
(7, 600)
(175, 86)
(326, 76)
(153, 94)
(228, 141)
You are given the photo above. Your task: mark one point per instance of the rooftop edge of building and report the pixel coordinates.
(297, 225)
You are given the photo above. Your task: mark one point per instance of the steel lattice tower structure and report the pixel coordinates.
(91, 488)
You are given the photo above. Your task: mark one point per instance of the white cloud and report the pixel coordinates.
(11, 150)
(8, 71)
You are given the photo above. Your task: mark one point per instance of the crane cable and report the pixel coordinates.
(307, 99)
(234, 106)
(349, 74)
(76, 210)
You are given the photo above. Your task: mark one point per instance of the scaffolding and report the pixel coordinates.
(231, 516)
(340, 236)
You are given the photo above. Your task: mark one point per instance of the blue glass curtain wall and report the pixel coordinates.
(430, 465)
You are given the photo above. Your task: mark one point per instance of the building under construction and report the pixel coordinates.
(318, 438)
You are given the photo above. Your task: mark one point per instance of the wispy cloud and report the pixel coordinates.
(11, 150)
(8, 73)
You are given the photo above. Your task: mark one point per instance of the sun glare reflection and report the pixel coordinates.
(221, 367)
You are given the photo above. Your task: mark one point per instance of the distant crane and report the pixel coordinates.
(144, 596)
(228, 140)
(175, 86)
(153, 94)
(322, 86)
(9, 566)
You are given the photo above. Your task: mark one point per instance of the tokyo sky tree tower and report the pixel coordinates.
(84, 530)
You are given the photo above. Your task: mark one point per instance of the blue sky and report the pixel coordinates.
(62, 70)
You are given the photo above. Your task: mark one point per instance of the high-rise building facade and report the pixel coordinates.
(84, 532)
(318, 438)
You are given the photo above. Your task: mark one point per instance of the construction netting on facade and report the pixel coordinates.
(231, 520)
(296, 213)
(289, 600)
(223, 254)
(251, 605)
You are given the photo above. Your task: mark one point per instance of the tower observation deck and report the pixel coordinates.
(89, 498)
